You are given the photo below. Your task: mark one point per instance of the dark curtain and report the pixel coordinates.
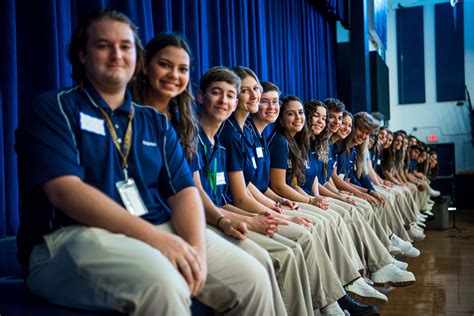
(288, 42)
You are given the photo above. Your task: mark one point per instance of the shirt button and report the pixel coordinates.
(117, 126)
(119, 140)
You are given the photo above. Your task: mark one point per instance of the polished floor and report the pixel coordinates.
(444, 273)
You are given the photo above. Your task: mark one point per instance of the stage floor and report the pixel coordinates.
(444, 272)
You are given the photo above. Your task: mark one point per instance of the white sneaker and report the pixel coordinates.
(429, 213)
(365, 293)
(332, 309)
(416, 234)
(421, 224)
(421, 218)
(433, 193)
(400, 243)
(412, 252)
(417, 228)
(400, 264)
(394, 250)
(392, 275)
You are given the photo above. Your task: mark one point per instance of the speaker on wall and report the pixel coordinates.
(380, 92)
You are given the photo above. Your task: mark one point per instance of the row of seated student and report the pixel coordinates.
(119, 176)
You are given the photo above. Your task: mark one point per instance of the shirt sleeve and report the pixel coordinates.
(46, 142)
(196, 163)
(176, 174)
(279, 152)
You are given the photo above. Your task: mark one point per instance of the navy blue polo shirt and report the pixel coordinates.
(239, 148)
(376, 162)
(363, 181)
(314, 169)
(332, 159)
(279, 154)
(345, 163)
(412, 165)
(261, 180)
(64, 134)
(213, 158)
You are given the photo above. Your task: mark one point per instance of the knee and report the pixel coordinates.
(164, 293)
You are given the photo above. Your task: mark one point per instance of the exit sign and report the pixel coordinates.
(432, 138)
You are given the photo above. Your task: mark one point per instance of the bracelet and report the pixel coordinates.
(218, 220)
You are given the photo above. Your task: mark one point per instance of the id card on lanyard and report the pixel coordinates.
(127, 188)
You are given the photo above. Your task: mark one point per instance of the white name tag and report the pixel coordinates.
(220, 178)
(92, 124)
(254, 163)
(147, 143)
(259, 152)
(131, 197)
(306, 164)
(341, 175)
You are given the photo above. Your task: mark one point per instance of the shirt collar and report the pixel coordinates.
(204, 140)
(97, 100)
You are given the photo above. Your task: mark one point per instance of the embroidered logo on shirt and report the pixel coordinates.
(147, 143)
(92, 124)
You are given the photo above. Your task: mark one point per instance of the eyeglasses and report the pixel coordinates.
(267, 102)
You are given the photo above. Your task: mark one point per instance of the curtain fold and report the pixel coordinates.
(288, 42)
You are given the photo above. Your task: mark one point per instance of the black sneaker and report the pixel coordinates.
(356, 308)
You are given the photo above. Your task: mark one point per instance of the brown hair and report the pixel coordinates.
(298, 145)
(181, 107)
(218, 73)
(80, 37)
(318, 142)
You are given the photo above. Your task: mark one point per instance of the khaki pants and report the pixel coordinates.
(374, 219)
(325, 285)
(339, 223)
(398, 216)
(372, 252)
(263, 255)
(342, 263)
(409, 197)
(291, 274)
(407, 210)
(94, 269)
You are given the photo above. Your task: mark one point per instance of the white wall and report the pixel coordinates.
(449, 122)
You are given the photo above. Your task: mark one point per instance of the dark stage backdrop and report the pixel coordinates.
(286, 41)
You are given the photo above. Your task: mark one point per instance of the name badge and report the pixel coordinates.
(92, 124)
(306, 164)
(220, 178)
(259, 152)
(342, 175)
(131, 197)
(254, 163)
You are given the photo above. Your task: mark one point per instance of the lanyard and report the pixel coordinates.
(212, 176)
(127, 142)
